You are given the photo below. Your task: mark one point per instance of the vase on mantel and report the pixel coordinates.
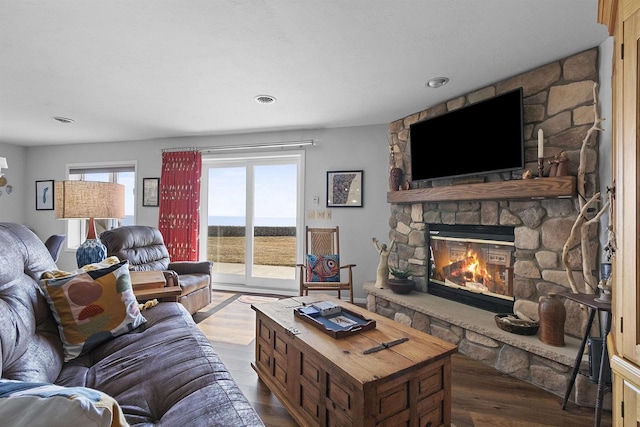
(395, 178)
(552, 314)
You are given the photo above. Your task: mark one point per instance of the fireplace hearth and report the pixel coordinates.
(472, 264)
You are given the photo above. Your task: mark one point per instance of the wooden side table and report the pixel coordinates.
(147, 279)
(152, 284)
(594, 306)
(164, 293)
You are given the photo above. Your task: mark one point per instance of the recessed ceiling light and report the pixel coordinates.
(265, 99)
(437, 82)
(63, 119)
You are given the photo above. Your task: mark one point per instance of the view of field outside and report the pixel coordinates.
(269, 250)
(274, 212)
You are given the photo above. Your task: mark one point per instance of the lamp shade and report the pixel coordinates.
(3, 163)
(89, 199)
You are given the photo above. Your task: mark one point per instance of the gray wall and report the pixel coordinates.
(355, 148)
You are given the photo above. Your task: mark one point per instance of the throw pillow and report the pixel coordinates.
(42, 404)
(323, 268)
(92, 305)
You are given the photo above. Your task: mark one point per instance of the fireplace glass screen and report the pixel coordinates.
(478, 263)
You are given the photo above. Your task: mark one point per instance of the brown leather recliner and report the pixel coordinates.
(143, 246)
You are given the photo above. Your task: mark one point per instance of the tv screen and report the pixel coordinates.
(478, 139)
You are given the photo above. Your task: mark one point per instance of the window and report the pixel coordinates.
(253, 220)
(121, 173)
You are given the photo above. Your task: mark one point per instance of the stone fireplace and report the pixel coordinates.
(558, 98)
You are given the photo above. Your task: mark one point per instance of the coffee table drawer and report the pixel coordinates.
(273, 352)
(430, 380)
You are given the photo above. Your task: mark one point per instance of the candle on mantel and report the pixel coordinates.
(540, 144)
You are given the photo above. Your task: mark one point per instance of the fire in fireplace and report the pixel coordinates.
(472, 264)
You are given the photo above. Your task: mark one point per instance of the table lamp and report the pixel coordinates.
(89, 199)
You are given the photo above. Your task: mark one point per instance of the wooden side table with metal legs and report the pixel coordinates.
(595, 306)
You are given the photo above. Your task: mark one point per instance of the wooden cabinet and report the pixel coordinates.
(323, 381)
(623, 18)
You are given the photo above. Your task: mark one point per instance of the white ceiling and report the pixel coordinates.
(128, 70)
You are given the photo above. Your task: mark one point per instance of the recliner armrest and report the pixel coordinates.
(191, 267)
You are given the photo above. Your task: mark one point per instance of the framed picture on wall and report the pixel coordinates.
(44, 195)
(344, 189)
(150, 191)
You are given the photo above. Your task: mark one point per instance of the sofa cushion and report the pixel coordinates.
(165, 372)
(91, 305)
(43, 404)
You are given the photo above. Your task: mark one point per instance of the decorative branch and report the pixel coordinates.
(579, 234)
(591, 283)
(581, 178)
(611, 247)
(580, 230)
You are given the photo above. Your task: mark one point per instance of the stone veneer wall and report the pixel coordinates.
(558, 98)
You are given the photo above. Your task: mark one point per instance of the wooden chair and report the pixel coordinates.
(322, 262)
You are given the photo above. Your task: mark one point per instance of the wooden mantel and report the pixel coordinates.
(538, 188)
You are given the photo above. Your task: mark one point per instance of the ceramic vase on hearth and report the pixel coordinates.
(395, 178)
(552, 314)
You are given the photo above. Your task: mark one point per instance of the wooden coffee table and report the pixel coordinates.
(327, 381)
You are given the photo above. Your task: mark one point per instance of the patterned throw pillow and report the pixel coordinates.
(92, 305)
(323, 268)
(42, 404)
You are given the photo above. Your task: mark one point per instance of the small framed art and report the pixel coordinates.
(344, 189)
(150, 191)
(44, 195)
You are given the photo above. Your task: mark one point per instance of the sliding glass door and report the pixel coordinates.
(253, 215)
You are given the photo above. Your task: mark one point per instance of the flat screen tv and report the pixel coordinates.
(479, 139)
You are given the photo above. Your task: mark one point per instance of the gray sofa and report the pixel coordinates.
(163, 372)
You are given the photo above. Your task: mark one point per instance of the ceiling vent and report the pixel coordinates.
(265, 99)
(63, 119)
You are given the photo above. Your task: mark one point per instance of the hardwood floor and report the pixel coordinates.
(481, 396)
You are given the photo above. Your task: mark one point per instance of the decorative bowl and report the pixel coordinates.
(511, 323)
(401, 286)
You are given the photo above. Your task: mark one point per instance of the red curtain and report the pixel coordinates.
(179, 220)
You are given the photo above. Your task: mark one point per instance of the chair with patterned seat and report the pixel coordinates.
(321, 268)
